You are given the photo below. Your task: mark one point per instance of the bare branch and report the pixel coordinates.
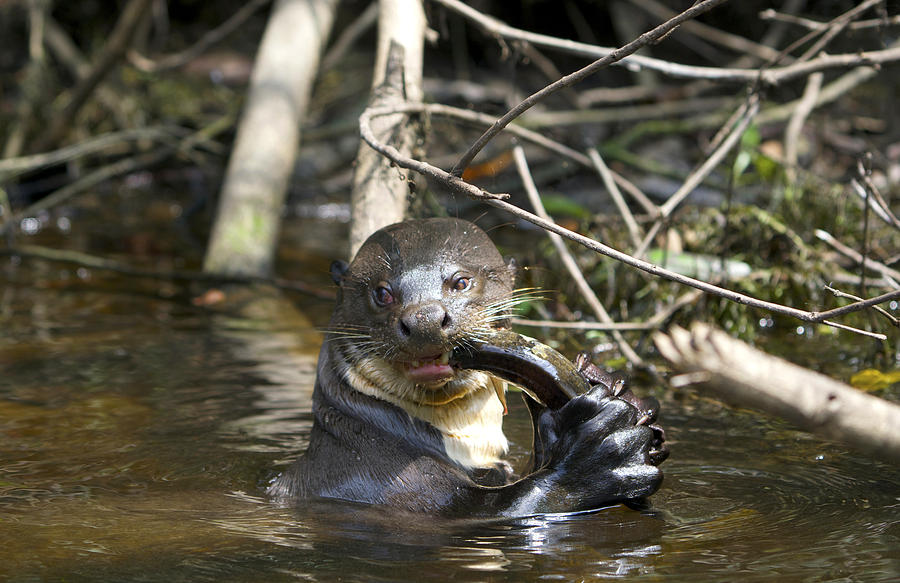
(857, 257)
(771, 14)
(861, 304)
(458, 185)
(712, 34)
(12, 167)
(569, 80)
(772, 76)
(700, 173)
(653, 323)
(350, 35)
(568, 260)
(201, 46)
(873, 195)
(119, 167)
(798, 119)
(837, 25)
(119, 39)
(633, 229)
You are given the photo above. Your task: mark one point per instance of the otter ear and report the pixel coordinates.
(338, 271)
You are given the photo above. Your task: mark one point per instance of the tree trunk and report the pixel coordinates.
(245, 232)
(380, 193)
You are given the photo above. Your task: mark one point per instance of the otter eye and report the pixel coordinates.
(462, 283)
(382, 296)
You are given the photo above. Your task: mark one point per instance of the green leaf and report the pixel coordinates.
(871, 379)
(561, 206)
(699, 266)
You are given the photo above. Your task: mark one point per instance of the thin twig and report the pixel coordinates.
(609, 182)
(482, 119)
(68, 54)
(30, 86)
(854, 255)
(209, 39)
(460, 186)
(771, 14)
(568, 260)
(876, 200)
(713, 160)
(598, 326)
(119, 39)
(125, 166)
(12, 167)
(701, 172)
(835, 27)
(349, 35)
(573, 78)
(625, 114)
(654, 323)
(870, 302)
(712, 34)
(831, 92)
(772, 76)
(797, 120)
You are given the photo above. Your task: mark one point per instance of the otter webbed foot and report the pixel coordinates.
(593, 451)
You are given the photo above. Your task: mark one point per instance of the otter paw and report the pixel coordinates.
(599, 449)
(617, 386)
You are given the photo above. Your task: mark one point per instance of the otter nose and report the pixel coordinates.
(424, 322)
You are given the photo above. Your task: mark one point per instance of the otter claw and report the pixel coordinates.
(658, 456)
(552, 380)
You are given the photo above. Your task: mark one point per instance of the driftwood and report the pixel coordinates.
(379, 195)
(246, 227)
(812, 401)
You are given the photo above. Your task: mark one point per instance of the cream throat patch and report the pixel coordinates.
(467, 410)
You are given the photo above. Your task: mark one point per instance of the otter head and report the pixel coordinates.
(414, 291)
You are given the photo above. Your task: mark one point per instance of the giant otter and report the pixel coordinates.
(395, 424)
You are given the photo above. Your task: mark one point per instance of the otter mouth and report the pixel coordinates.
(432, 371)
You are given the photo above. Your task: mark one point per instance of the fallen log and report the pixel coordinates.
(813, 402)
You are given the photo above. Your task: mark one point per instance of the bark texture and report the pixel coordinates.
(814, 402)
(247, 223)
(380, 190)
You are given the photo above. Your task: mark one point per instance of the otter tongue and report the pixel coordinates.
(430, 371)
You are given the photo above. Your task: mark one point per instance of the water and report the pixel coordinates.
(137, 433)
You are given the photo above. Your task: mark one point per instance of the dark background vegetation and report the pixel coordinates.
(157, 217)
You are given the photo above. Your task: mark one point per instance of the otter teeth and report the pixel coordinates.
(444, 358)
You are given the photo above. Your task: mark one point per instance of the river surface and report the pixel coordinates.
(138, 431)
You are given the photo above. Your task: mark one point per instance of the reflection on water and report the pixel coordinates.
(137, 434)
